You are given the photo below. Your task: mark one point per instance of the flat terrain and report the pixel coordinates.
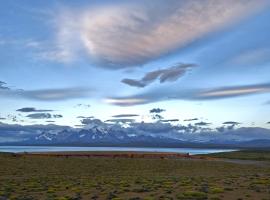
(81, 177)
(259, 155)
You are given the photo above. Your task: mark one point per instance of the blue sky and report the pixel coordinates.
(195, 59)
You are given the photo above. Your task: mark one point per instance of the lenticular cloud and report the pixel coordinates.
(131, 34)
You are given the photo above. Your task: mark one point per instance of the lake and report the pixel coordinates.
(191, 151)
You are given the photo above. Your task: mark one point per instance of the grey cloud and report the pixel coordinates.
(31, 109)
(157, 116)
(157, 110)
(268, 122)
(164, 75)
(3, 86)
(43, 116)
(231, 123)
(192, 94)
(91, 121)
(193, 119)
(125, 115)
(39, 116)
(202, 124)
(132, 82)
(124, 120)
(57, 116)
(50, 121)
(169, 120)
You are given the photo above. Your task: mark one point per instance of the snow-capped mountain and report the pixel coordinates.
(95, 135)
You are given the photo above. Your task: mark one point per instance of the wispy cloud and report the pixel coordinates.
(163, 75)
(125, 115)
(193, 119)
(131, 34)
(122, 120)
(55, 94)
(31, 109)
(193, 94)
(169, 120)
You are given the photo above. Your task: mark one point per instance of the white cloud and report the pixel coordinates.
(135, 33)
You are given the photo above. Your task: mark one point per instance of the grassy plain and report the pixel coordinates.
(59, 178)
(259, 155)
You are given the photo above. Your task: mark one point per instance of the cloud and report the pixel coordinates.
(123, 120)
(268, 122)
(56, 94)
(231, 123)
(88, 121)
(39, 116)
(57, 116)
(43, 116)
(3, 86)
(31, 109)
(164, 75)
(157, 117)
(83, 117)
(193, 119)
(157, 110)
(169, 120)
(202, 124)
(235, 91)
(134, 83)
(125, 115)
(157, 95)
(128, 34)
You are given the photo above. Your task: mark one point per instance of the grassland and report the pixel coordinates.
(259, 155)
(60, 178)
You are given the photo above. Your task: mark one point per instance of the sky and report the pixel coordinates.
(61, 61)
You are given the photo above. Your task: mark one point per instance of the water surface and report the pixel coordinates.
(191, 151)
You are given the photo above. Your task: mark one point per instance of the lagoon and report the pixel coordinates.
(30, 149)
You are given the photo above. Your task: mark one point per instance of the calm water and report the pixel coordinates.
(192, 151)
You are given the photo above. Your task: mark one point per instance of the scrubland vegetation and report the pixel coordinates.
(74, 178)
